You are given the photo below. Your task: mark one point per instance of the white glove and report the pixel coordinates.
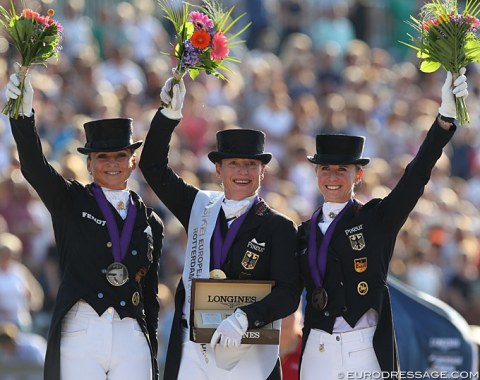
(13, 92)
(173, 103)
(447, 107)
(231, 330)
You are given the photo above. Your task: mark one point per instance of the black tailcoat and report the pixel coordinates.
(82, 241)
(276, 263)
(360, 250)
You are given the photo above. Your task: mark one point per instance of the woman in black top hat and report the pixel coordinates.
(232, 234)
(109, 243)
(346, 247)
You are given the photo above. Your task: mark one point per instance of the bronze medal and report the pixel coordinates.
(319, 298)
(217, 274)
(117, 274)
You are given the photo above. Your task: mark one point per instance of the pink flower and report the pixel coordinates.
(200, 21)
(220, 48)
(29, 14)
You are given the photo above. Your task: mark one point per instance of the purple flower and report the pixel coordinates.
(191, 56)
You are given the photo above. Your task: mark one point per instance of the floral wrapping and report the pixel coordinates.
(36, 37)
(201, 37)
(447, 38)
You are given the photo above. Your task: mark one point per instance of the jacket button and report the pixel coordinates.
(134, 252)
(109, 244)
(100, 295)
(326, 314)
(122, 303)
(344, 309)
(341, 283)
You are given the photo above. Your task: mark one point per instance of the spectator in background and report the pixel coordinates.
(17, 207)
(20, 292)
(20, 350)
(78, 28)
(423, 274)
(332, 25)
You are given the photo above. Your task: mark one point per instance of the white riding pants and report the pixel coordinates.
(102, 347)
(339, 355)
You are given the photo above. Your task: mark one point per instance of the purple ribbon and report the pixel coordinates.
(119, 243)
(221, 247)
(318, 260)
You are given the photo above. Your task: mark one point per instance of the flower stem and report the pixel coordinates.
(461, 107)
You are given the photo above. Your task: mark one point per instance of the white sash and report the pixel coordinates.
(255, 361)
(203, 217)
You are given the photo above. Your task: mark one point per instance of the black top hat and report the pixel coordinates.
(109, 135)
(339, 149)
(240, 143)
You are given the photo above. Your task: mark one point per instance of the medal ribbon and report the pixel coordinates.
(221, 247)
(318, 260)
(121, 242)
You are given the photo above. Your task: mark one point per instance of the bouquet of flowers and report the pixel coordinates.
(36, 37)
(448, 39)
(201, 37)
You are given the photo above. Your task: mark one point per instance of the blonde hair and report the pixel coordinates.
(11, 243)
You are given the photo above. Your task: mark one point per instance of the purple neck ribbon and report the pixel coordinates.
(318, 260)
(220, 246)
(119, 243)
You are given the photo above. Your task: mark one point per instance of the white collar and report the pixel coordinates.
(118, 199)
(233, 208)
(332, 209)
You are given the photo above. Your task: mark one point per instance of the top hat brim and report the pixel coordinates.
(338, 161)
(218, 156)
(85, 150)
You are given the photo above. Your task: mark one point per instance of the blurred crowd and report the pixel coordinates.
(307, 67)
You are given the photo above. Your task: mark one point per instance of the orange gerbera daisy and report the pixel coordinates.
(200, 39)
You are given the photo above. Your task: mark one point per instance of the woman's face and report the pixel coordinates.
(336, 182)
(241, 177)
(111, 169)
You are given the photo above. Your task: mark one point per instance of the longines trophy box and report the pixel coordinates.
(214, 300)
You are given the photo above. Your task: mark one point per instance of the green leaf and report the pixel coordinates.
(428, 66)
(193, 73)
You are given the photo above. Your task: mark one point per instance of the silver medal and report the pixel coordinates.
(117, 274)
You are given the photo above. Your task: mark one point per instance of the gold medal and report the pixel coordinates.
(217, 274)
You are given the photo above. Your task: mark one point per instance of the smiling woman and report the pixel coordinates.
(336, 182)
(345, 250)
(109, 243)
(111, 169)
(234, 225)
